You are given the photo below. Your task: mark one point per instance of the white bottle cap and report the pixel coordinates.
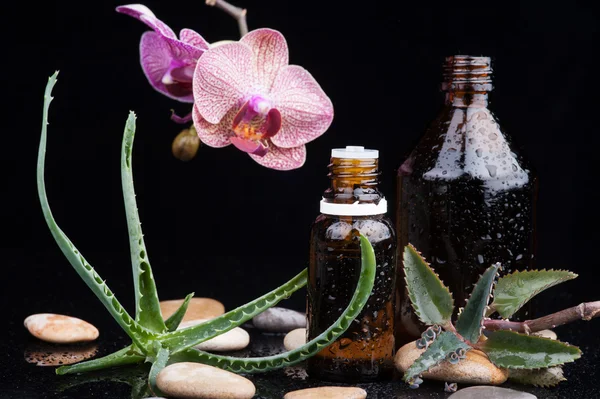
(354, 152)
(355, 209)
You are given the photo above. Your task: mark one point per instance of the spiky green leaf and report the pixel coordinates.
(147, 307)
(87, 273)
(175, 319)
(470, 321)
(158, 363)
(437, 352)
(249, 365)
(122, 357)
(545, 378)
(519, 351)
(431, 300)
(191, 336)
(516, 289)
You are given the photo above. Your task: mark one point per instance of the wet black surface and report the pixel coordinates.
(54, 287)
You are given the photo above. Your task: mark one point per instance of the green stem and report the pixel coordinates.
(122, 357)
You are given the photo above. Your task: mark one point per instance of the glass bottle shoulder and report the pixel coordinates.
(376, 228)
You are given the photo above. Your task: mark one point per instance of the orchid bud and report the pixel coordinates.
(185, 145)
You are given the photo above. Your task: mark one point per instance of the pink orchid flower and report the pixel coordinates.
(246, 94)
(168, 62)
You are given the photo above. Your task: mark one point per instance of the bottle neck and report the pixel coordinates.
(353, 180)
(467, 81)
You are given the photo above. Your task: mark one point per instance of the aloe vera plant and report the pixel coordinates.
(156, 340)
(530, 359)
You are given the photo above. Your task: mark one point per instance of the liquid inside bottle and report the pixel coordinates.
(353, 204)
(466, 198)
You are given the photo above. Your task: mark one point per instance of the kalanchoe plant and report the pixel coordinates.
(156, 340)
(534, 360)
(244, 93)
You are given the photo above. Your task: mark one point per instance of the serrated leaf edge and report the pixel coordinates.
(574, 276)
(411, 295)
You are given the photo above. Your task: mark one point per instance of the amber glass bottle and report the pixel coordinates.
(353, 204)
(466, 198)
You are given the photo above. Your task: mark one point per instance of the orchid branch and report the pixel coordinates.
(583, 311)
(239, 14)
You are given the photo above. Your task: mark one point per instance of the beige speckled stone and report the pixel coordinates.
(294, 339)
(232, 340)
(60, 329)
(199, 308)
(327, 393)
(199, 381)
(476, 368)
(545, 333)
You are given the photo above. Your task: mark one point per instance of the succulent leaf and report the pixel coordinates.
(519, 351)
(158, 363)
(137, 333)
(175, 319)
(431, 300)
(445, 344)
(263, 364)
(147, 307)
(546, 377)
(470, 321)
(516, 289)
(186, 338)
(122, 357)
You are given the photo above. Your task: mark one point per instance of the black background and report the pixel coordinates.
(222, 225)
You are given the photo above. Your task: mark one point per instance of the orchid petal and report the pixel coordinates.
(270, 54)
(306, 111)
(155, 57)
(143, 13)
(273, 123)
(221, 80)
(251, 147)
(193, 38)
(282, 158)
(214, 135)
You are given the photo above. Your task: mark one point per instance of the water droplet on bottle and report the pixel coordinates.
(519, 257)
(480, 258)
(493, 136)
(479, 152)
(491, 170)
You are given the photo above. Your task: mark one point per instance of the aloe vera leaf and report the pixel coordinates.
(545, 378)
(147, 307)
(122, 357)
(519, 351)
(470, 320)
(87, 273)
(158, 363)
(262, 364)
(175, 319)
(185, 338)
(516, 289)
(431, 300)
(437, 352)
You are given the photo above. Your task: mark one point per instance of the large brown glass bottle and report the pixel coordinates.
(466, 197)
(353, 204)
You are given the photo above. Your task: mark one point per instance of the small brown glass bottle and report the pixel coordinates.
(353, 204)
(466, 198)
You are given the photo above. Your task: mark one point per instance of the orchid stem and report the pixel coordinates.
(239, 14)
(583, 311)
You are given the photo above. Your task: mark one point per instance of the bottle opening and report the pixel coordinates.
(467, 73)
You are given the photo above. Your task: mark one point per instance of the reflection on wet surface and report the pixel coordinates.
(45, 354)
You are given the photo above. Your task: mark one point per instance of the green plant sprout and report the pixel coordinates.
(530, 359)
(157, 341)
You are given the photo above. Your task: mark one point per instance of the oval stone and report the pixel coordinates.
(476, 368)
(198, 308)
(199, 381)
(60, 329)
(278, 319)
(232, 340)
(294, 339)
(327, 393)
(491, 393)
